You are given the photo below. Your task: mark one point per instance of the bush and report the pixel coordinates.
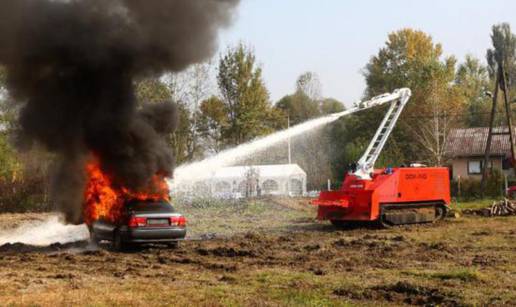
(470, 188)
(28, 195)
(23, 178)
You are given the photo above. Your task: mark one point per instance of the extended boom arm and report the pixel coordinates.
(398, 100)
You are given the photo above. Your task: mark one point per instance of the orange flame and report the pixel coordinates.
(103, 200)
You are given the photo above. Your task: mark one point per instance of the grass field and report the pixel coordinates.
(272, 252)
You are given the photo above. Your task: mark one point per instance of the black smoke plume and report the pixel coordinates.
(72, 66)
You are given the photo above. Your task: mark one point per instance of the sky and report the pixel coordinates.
(336, 38)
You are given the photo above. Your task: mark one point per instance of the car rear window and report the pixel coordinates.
(150, 206)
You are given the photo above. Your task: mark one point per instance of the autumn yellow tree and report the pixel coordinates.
(411, 59)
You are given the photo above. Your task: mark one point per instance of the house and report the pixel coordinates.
(252, 180)
(465, 149)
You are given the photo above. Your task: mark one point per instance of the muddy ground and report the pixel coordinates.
(272, 252)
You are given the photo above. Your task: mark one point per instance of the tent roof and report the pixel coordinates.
(264, 171)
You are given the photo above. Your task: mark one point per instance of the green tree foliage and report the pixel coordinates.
(244, 95)
(8, 109)
(4, 118)
(472, 81)
(182, 140)
(2, 77)
(307, 102)
(331, 105)
(299, 107)
(8, 162)
(504, 50)
(189, 88)
(152, 90)
(213, 120)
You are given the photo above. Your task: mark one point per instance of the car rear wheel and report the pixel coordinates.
(117, 244)
(93, 237)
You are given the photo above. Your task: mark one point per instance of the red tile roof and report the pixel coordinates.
(472, 142)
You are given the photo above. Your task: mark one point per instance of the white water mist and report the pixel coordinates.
(46, 232)
(202, 169)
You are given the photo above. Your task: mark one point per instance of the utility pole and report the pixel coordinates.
(501, 83)
(289, 149)
(508, 113)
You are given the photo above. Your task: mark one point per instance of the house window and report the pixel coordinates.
(506, 163)
(475, 167)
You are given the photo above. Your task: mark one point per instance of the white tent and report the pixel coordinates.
(253, 180)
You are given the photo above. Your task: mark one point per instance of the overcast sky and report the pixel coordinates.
(336, 38)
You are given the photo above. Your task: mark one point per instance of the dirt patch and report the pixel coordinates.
(226, 252)
(442, 247)
(415, 295)
(401, 292)
(316, 264)
(486, 260)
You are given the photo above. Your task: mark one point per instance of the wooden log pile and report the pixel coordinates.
(503, 208)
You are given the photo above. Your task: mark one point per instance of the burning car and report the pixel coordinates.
(125, 217)
(141, 222)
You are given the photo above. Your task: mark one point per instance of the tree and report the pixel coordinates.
(190, 88)
(4, 110)
(187, 89)
(411, 59)
(299, 107)
(155, 90)
(152, 90)
(472, 80)
(309, 84)
(331, 105)
(244, 94)
(443, 105)
(3, 76)
(9, 164)
(307, 102)
(504, 51)
(181, 139)
(200, 87)
(213, 120)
